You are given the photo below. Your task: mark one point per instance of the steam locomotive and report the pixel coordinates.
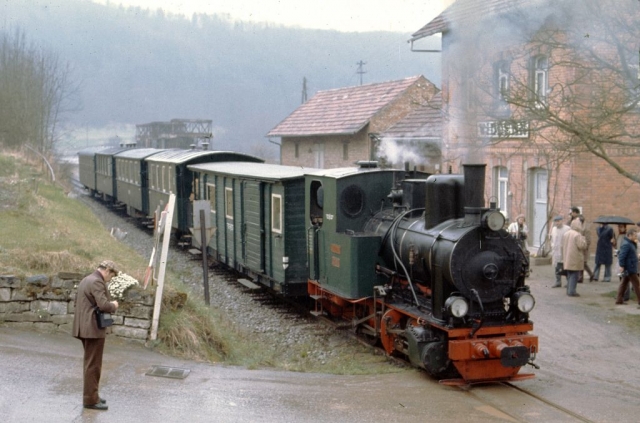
(413, 262)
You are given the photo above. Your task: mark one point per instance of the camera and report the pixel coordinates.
(623, 274)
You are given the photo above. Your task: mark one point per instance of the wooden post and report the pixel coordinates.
(205, 265)
(166, 237)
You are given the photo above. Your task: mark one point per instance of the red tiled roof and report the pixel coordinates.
(343, 110)
(422, 123)
(464, 11)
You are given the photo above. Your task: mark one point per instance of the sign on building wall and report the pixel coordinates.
(504, 129)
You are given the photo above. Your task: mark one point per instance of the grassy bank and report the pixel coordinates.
(42, 230)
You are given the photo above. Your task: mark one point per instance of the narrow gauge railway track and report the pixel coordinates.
(508, 404)
(549, 403)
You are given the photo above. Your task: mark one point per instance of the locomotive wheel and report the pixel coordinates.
(390, 320)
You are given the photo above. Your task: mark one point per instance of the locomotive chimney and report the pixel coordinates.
(474, 185)
(473, 193)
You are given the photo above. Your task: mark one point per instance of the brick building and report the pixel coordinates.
(519, 87)
(336, 128)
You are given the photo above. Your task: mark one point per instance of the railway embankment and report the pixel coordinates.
(47, 303)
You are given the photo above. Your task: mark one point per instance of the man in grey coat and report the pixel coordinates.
(92, 292)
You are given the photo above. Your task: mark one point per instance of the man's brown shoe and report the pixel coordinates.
(98, 406)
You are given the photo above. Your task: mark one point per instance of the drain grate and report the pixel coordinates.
(170, 372)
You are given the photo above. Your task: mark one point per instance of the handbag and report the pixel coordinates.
(104, 319)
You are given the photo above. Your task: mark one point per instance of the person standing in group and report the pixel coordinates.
(92, 292)
(573, 213)
(519, 229)
(622, 232)
(586, 231)
(604, 252)
(628, 262)
(555, 237)
(574, 244)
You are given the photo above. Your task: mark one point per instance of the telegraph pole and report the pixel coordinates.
(304, 90)
(360, 70)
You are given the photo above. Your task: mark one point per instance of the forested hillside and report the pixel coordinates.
(138, 66)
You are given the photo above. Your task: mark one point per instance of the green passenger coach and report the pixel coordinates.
(257, 216)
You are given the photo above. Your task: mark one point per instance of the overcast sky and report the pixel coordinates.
(344, 15)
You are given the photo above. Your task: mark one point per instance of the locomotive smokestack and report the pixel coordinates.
(474, 185)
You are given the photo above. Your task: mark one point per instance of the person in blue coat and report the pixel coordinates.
(604, 252)
(628, 261)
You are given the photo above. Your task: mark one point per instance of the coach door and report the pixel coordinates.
(253, 231)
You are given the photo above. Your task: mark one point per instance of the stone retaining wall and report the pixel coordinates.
(47, 303)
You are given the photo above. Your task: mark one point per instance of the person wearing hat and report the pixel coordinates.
(604, 252)
(555, 238)
(92, 291)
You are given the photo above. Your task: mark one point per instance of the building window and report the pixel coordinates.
(211, 196)
(540, 83)
(297, 150)
(502, 80)
(633, 83)
(228, 203)
(318, 155)
(276, 213)
(345, 151)
(501, 187)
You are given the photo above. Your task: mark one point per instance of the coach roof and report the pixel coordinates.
(185, 156)
(260, 171)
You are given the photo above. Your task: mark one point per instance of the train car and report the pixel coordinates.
(257, 217)
(106, 173)
(426, 270)
(132, 180)
(87, 168)
(168, 173)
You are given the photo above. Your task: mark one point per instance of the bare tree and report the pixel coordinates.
(36, 90)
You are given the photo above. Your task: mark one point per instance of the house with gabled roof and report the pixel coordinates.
(338, 127)
(522, 92)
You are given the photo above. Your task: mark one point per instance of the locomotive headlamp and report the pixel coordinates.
(525, 301)
(494, 220)
(457, 306)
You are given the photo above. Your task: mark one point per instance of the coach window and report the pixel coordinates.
(228, 203)
(276, 213)
(157, 177)
(211, 196)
